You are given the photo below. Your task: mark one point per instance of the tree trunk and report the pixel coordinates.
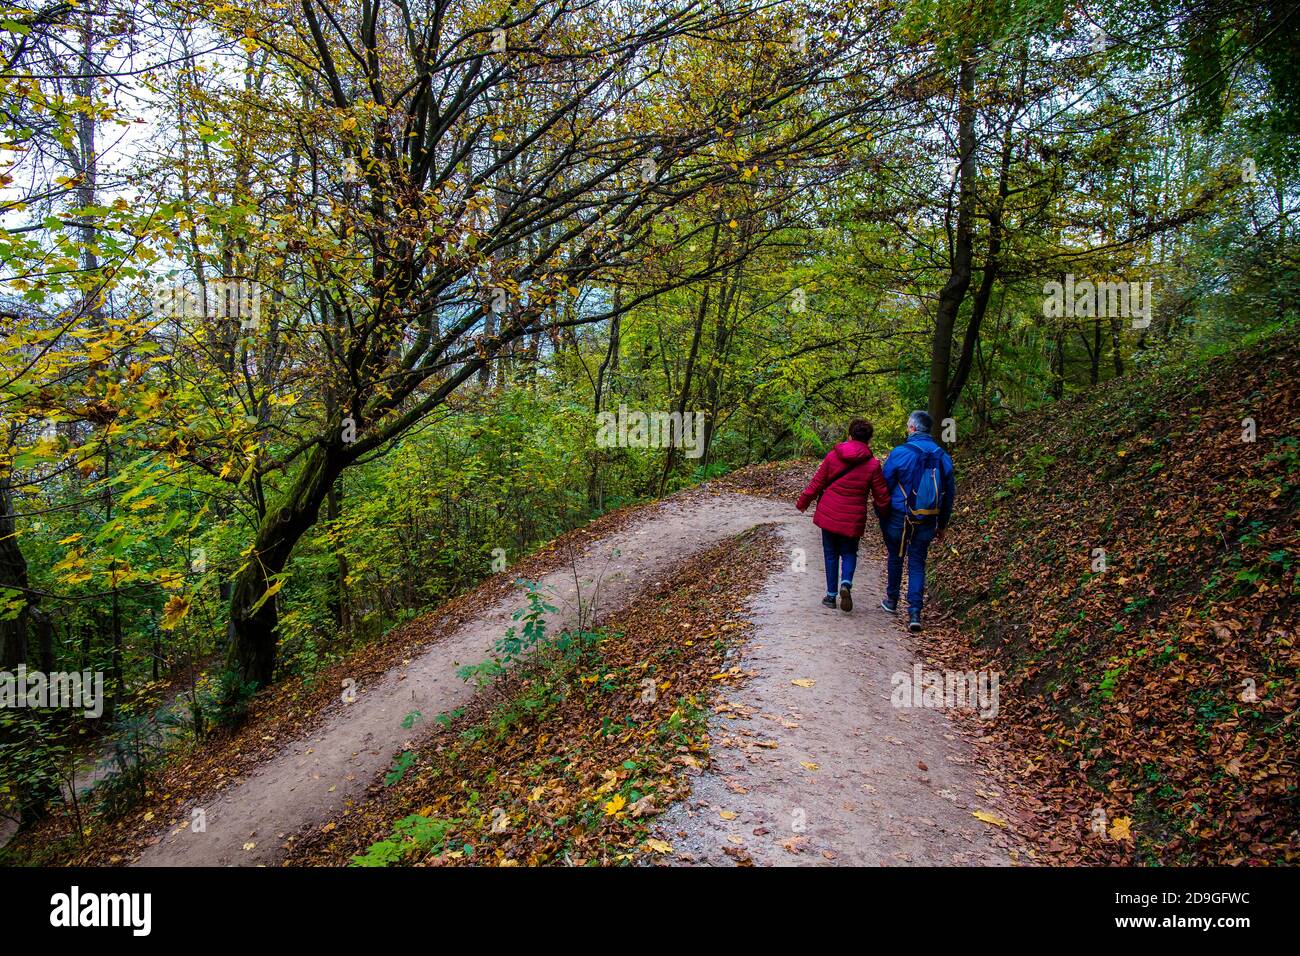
(713, 375)
(1058, 364)
(13, 574)
(685, 394)
(595, 494)
(252, 654)
(1094, 372)
(993, 265)
(959, 276)
(116, 673)
(339, 595)
(610, 362)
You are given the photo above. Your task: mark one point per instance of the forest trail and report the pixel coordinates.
(867, 801)
(832, 773)
(310, 780)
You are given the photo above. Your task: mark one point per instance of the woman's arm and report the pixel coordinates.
(816, 485)
(879, 489)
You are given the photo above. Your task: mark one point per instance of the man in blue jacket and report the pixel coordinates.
(906, 531)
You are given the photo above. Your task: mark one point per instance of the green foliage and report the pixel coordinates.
(404, 762)
(35, 758)
(229, 700)
(515, 643)
(411, 835)
(135, 749)
(144, 455)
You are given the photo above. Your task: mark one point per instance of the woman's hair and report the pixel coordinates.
(861, 430)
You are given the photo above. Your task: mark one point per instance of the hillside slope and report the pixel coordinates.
(1127, 561)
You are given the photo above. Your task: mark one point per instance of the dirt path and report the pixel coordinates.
(310, 780)
(890, 785)
(833, 772)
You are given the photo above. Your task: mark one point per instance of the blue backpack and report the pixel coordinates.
(923, 490)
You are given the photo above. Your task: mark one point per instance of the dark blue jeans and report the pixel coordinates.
(918, 547)
(841, 553)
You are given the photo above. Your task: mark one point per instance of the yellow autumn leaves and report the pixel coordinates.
(1119, 829)
(174, 612)
(617, 803)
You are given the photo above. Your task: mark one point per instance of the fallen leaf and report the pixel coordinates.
(987, 817)
(615, 805)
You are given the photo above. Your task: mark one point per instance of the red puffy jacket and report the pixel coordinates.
(842, 508)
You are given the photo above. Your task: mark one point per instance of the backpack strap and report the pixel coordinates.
(860, 461)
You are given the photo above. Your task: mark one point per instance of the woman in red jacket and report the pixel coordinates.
(847, 477)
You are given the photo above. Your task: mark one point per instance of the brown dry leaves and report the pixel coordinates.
(578, 776)
(1147, 711)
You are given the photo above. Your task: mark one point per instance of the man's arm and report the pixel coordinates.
(949, 492)
(892, 463)
(879, 488)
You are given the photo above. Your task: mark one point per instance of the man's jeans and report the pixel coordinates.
(841, 554)
(918, 546)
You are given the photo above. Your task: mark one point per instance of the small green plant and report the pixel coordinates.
(516, 642)
(404, 762)
(575, 646)
(411, 836)
(1106, 689)
(136, 749)
(36, 762)
(230, 699)
(445, 719)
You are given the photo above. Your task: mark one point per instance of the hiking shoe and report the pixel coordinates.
(846, 597)
(914, 620)
(829, 600)
(890, 607)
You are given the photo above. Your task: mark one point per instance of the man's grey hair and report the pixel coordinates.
(920, 421)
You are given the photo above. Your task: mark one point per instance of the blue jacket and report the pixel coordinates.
(899, 464)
